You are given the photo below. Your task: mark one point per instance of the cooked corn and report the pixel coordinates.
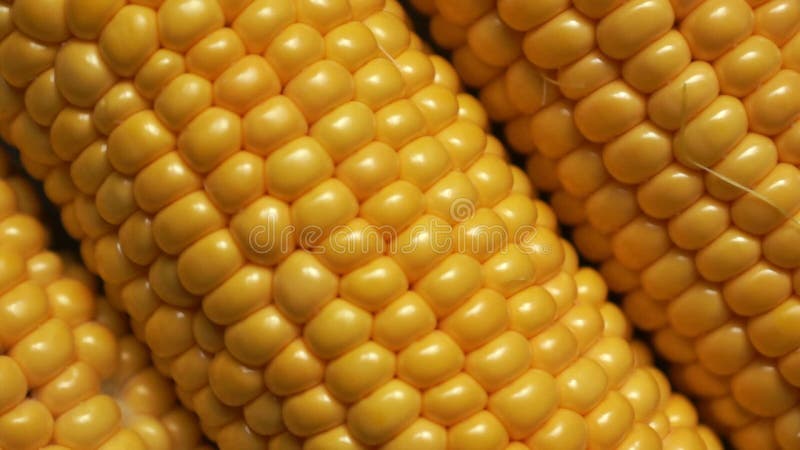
(312, 241)
(647, 118)
(70, 378)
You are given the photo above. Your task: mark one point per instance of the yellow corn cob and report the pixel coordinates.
(69, 376)
(314, 238)
(627, 112)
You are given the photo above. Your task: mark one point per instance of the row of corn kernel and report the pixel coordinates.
(657, 62)
(79, 133)
(592, 290)
(190, 358)
(67, 379)
(623, 163)
(588, 281)
(304, 285)
(172, 328)
(655, 315)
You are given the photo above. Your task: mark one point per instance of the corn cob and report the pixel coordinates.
(175, 150)
(672, 149)
(70, 377)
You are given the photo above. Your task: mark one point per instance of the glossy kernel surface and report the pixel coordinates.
(317, 238)
(656, 128)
